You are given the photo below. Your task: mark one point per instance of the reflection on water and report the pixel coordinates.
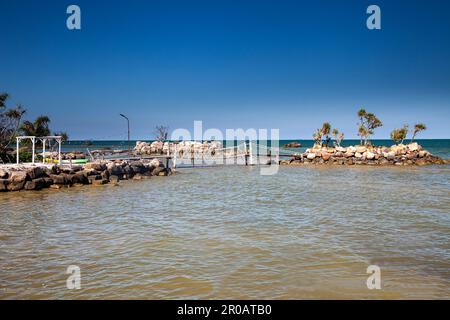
(307, 232)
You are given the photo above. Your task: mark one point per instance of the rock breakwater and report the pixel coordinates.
(15, 178)
(400, 155)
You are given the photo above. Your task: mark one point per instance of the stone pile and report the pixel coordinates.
(13, 178)
(65, 156)
(400, 155)
(182, 147)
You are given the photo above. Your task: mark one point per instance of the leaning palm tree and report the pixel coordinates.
(417, 128)
(338, 137)
(362, 133)
(326, 128)
(398, 135)
(361, 128)
(317, 136)
(367, 123)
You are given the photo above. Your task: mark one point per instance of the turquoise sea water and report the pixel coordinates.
(439, 147)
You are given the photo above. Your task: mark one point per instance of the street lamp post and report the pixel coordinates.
(128, 123)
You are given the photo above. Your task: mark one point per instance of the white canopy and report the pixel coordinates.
(44, 140)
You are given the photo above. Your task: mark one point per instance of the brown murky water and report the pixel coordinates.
(231, 233)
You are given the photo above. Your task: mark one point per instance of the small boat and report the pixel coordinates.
(67, 161)
(74, 161)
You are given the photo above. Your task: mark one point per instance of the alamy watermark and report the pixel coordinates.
(73, 21)
(74, 279)
(256, 146)
(374, 280)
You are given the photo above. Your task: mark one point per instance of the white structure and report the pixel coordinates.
(44, 141)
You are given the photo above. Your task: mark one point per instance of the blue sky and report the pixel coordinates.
(232, 64)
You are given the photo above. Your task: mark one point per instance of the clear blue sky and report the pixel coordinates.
(260, 64)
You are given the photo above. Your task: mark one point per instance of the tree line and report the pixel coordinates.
(367, 123)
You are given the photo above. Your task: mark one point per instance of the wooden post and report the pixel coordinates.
(43, 150)
(33, 149)
(17, 150)
(59, 151)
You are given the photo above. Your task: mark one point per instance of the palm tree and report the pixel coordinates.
(361, 114)
(367, 123)
(338, 137)
(398, 135)
(362, 132)
(317, 136)
(417, 128)
(326, 127)
(38, 128)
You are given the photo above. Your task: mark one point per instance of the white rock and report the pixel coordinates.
(370, 155)
(311, 155)
(413, 146)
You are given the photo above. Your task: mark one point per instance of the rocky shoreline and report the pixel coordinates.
(399, 155)
(16, 178)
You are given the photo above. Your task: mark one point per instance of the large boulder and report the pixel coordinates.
(156, 163)
(80, 178)
(156, 171)
(98, 166)
(17, 180)
(94, 178)
(414, 147)
(35, 184)
(361, 149)
(137, 167)
(59, 179)
(351, 149)
(369, 155)
(311, 156)
(389, 155)
(48, 181)
(399, 149)
(115, 170)
(423, 154)
(35, 172)
(349, 154)
(326, 156)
